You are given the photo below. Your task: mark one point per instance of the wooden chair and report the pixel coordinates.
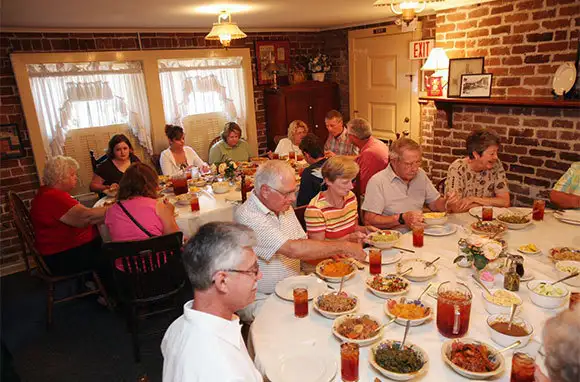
(441, 186)
(26, 234)
(213, 142)
(153, 274)
(155, 161)
(299, 211)
(96, 161)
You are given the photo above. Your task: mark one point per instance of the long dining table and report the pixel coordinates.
(276, 335)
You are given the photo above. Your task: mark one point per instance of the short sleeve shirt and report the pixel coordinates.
(110, 173)
(340, 145)
(465, 182)
(321, 216)
(570, 181)
(373, 157)
(388, 195)
(272, 232)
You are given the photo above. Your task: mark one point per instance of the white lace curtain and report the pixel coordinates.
(76, 95)
(200, 86)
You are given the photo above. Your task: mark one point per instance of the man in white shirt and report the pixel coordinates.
(205, 343)
(282, 242)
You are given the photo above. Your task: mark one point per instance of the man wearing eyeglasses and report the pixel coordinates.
(205, 343)
(281, 241)
(396, 195)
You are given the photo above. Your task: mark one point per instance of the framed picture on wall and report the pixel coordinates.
(10, 142)
(476, 85)
(276, 51)
(458, 67)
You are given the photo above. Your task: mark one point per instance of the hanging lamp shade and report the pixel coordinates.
(225, 31)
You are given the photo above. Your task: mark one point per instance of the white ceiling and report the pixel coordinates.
(181, 14)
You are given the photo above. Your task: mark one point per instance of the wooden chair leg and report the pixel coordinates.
(102, 290)
(134, 327)
(49, 304)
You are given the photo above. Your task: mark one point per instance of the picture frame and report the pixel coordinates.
(279, 51)
(11, 142)
(476, 85)
(458, 67)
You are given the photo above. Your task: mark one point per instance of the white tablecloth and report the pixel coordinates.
(213, 207)
(276, 331)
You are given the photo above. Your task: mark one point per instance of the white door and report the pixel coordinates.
(383, 80)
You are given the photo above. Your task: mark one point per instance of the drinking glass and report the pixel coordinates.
(291, 155)
(349, 354)
(538, 210)
(299, 157)
(300, 301)
(194, 203)
(179, 184)
(453, 309)
(487, 214)
(418, 235)
(523, 368)
(275, 156)
(375, 260)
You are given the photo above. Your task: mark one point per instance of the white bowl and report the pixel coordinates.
(364, 342)
(183, 199)
(399, 376)
(419, 272)
(575, 281)
(403, 321)
(384, 244)
(435, 220)
(446, 352)
(514, 225)
(333, 315)
(493, 308)
(220, 187)
(504, 339)
(333, 279)
(548, 302)
(382, 294)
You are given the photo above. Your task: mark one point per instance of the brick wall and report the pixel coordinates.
(20, 174)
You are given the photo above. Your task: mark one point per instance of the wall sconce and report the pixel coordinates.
(225, 31)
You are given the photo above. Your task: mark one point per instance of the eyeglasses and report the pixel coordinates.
(285, 195)
(250, 272)
(411, 164)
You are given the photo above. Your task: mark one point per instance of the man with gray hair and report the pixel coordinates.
(396, 195)
(373, 155)
(205, 343)
(282, 242)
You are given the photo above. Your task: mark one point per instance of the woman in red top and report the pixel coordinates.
(65, 230)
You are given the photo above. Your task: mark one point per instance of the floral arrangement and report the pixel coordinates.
(228, 169)
(478, 250)
(319, 63)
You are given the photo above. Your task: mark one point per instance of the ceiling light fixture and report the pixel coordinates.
(225, 31)
(407, 9)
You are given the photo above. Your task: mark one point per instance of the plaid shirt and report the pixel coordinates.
(340, 145)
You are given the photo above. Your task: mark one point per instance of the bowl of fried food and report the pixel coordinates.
(396, 363)
(408, 309)
(472, 359)
(334, 270)
(435, 218)
(361, 329)
(564, 253)
(334, 304)
(384, 239)
(515, 221)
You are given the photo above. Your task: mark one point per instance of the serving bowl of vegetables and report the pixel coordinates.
(399, 364)
(384, 239)
(546, 295)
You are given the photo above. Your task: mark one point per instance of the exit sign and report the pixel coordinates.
(419, 50)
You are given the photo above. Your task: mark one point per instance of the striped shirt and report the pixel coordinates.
(321, 216)
(272, 232)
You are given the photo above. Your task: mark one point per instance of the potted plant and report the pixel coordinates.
(478, 251)
(318, 66)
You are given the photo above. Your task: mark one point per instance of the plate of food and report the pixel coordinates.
(399, 364)
(220, 187)
(434, 218)
(440, 229)
(111, 192)
(476, 211)
(564, 253)
(285, 288)
(303, 365)
(490, 229)
(360, 329)
(389, 256)
(565, 268)
(386, 286)
(472, 359)
(408, 309)
(384, 239)
(529, 249)
(334, 304)
(420, 271)
(334, 270)
(183, 200)
(515, 221)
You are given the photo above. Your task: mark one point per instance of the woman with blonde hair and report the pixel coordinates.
(297, 130)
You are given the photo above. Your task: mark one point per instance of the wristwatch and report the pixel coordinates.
(401, 219)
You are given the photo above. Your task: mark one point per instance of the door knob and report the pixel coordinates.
(316, 126)
(406, 120)
(310, 107)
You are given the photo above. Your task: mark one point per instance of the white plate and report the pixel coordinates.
(284, 289)
(389, 256)
(539, 251)
(570, 217)
(564, 78)
(298, 365)
(476, 211)
(528, 275)
(414, 275)
(440, 230)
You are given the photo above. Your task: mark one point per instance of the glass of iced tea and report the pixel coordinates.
(418, 235)
(538, 209)
(300, 301)
(523, 368)
(574, 300)
(275, 156)
(194, 203)
(179, 184)
(299, 157)
(291, 155)
(453, 309)
(487, 214)
(375, 260)
(349, 354)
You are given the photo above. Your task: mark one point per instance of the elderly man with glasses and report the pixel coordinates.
(282, 242)
(396, 195)
(205, 343)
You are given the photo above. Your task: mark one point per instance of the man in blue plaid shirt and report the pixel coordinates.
(338, 141)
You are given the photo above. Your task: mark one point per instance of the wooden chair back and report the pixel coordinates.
(96, 161)
(155, 160)
(152, 267)
(299, 211)
(441, 186)
(213, 142)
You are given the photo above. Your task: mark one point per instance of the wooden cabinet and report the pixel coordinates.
(308, 101)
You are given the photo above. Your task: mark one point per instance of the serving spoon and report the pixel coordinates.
(427, 265)
(562, 279)
(481, 284)
(424, 291)
(405, 335)
(512, 315)
(405, 272)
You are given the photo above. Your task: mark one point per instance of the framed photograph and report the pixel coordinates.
(10, 142)
(268, 51)
(458, 67)
(476, 85)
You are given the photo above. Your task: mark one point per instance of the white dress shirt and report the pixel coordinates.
(286, 146)
(168, 165)
(201, 347)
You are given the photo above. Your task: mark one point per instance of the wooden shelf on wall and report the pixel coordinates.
(544, 102)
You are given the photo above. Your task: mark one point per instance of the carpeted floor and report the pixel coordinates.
(86, 343)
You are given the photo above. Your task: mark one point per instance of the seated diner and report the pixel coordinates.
(566, 191)
(296, 131)
(231, 146)
(311, 179)
(178, 156)
(119, 157)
